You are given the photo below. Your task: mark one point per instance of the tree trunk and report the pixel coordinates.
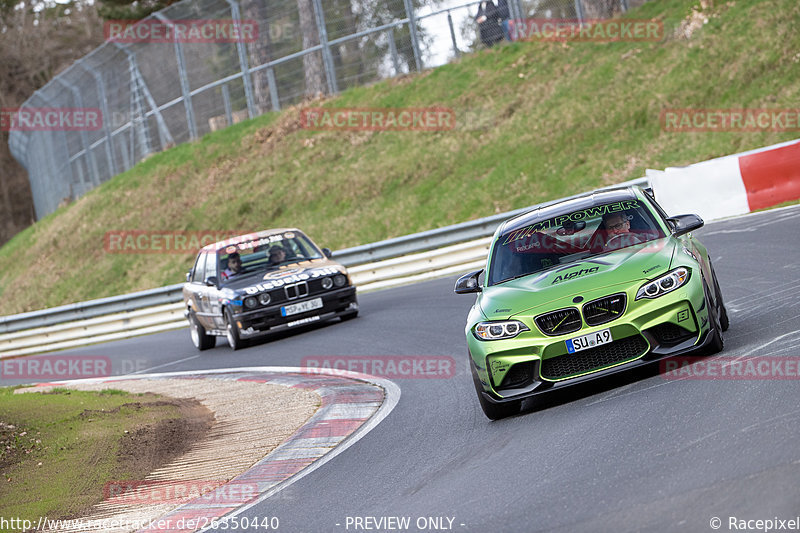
(260, 52)
(600, 9)
(312, 63)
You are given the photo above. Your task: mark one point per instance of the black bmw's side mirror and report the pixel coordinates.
(468, 283)
(211, 281)
(327, 252)
(683, 224)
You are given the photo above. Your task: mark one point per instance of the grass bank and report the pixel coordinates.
(58, 449)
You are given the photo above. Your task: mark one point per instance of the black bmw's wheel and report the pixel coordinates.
(200, 339)
(494, 411)
(232, 331)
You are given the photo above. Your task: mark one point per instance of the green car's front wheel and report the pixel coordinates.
(494, 411)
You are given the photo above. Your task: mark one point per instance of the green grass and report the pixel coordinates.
(536, 121)
(63, 447)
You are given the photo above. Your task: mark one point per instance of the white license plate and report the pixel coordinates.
(584, 342)
(301, 307)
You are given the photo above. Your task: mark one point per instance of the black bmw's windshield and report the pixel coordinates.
(570, 237)
(266, 253)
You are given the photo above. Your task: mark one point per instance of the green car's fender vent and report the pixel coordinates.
(604, 309)
(669, 334)
(559, 322)
(573, 364)
(518, 375)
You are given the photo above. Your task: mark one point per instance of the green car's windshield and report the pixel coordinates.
(245, 257)
(572, 236)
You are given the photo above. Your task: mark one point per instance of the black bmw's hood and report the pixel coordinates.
(294, 272)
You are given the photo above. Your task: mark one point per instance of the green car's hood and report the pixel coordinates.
(640, 262)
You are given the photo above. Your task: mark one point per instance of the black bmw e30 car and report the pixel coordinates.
(261, 283)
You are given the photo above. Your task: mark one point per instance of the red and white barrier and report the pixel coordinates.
(731, 185)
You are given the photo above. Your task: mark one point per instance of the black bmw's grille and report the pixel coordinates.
(593, 358)
(669, 333)
(559, 322)
(604, 309)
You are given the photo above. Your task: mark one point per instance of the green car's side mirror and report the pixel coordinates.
(468, 283)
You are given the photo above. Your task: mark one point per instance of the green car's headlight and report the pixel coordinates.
(666, 283)
(496, 330)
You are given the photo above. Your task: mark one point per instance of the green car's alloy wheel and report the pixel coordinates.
(201, 339)
(232, 331)
(494, 411)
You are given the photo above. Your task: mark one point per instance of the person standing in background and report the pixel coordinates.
(488, 23)
(505, 18)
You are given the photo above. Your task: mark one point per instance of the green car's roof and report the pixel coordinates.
(559, 207)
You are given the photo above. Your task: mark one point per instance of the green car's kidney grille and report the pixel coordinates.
(604, 309)
(595, 358)
(559, 322)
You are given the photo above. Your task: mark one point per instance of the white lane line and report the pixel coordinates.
(162, 366)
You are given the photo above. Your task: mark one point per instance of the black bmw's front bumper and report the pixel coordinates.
(335, 303)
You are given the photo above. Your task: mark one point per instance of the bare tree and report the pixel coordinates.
(312, 63)
(36, 42)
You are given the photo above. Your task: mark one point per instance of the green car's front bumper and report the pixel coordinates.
(648, 330)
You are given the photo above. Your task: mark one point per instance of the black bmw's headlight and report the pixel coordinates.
(501, 329)
(250, 302)
(666, 283)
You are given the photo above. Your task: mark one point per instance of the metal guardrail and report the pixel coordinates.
(376, 265)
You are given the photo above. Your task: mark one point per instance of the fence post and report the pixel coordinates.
(393, 51)
(456, 51)
(623, 4)
(244, 67)
(579, 11)
(412, 27)
(91, 167)
(273, 90)
(327, 59)
(185, 90)
(67, 158)
(138, 82)
(101, 94)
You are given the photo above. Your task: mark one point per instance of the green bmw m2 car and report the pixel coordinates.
(581, 288)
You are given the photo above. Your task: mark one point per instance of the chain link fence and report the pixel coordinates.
(156, 93)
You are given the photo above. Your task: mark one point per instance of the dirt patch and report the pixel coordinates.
(147, 448)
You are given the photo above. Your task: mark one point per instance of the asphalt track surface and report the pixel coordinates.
(635, 453)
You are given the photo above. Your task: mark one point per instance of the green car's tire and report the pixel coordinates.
(232, 331)
(723, 311)
(200, 339)
(494, 411)
(717, 342)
